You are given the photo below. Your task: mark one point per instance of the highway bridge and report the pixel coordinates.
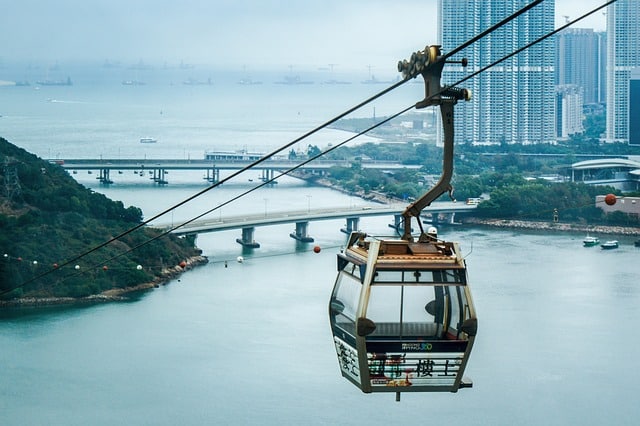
(158, 168)
(248, 223)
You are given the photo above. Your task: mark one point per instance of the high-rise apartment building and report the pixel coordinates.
(623, 39)
(514, 102)
(569, 115)
(577, 61)
(602, 67)
(634, 107)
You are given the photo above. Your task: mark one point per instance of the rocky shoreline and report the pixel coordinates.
(563, 227)
(112, 295)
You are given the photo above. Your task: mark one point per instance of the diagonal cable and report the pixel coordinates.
(286, 146)
(235, 198)
(315, 130)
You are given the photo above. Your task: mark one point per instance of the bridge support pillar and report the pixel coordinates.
(213, 175)
(301, 233)
(158, 176)
(267, 175)
(451, 217)
(104, 176)
(352, 225)
(247, 239)
(442, 218)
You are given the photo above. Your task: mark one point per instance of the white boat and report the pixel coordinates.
(148, 140)
(590, 241)
(608, 245)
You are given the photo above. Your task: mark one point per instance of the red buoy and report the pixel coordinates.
(316, 249)
(610, 199)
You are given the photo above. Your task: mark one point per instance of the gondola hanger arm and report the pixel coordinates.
(429, 63)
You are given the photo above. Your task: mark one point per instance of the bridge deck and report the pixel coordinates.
(177, 164)
(276, 218)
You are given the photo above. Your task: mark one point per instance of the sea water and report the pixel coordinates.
(249, 343)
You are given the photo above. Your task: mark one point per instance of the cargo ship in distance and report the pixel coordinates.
(66, 82)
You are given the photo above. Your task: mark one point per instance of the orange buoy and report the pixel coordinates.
(316, 249)
(610, 199)
(183, 264)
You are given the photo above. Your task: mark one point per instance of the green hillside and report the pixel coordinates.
(47, 219)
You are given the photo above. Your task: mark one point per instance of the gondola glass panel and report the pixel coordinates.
(342, 313)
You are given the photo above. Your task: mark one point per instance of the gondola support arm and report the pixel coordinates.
(429, 63)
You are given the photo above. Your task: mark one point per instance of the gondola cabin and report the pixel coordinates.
(402, 315)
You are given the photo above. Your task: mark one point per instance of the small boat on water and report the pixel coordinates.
(608, 245)
(148, 140)
(590, 241)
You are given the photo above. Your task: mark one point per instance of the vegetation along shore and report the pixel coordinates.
(50, 226)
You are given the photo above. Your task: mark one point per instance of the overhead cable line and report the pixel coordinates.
(293, 142)
(309, 133)
(220, 182)
(232, 199)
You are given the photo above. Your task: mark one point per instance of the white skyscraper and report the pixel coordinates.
(514, 102)
(569, 105)
(623, 39)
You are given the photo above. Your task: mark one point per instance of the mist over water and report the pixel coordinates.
(101, 117)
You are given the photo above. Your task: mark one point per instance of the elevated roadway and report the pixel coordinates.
(248, 223)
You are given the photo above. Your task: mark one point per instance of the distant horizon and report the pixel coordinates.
(242, 69)
(196, 74)
(266, 35)
(161, 64)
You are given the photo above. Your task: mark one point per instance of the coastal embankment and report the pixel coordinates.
(552, 226)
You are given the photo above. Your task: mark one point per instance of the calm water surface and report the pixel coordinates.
(250, 343)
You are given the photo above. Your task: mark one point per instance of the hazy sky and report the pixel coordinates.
(229, 33)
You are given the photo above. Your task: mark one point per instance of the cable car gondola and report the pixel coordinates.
(402, 315)
(401, 311)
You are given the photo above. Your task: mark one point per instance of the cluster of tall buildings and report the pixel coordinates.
(540, 94)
